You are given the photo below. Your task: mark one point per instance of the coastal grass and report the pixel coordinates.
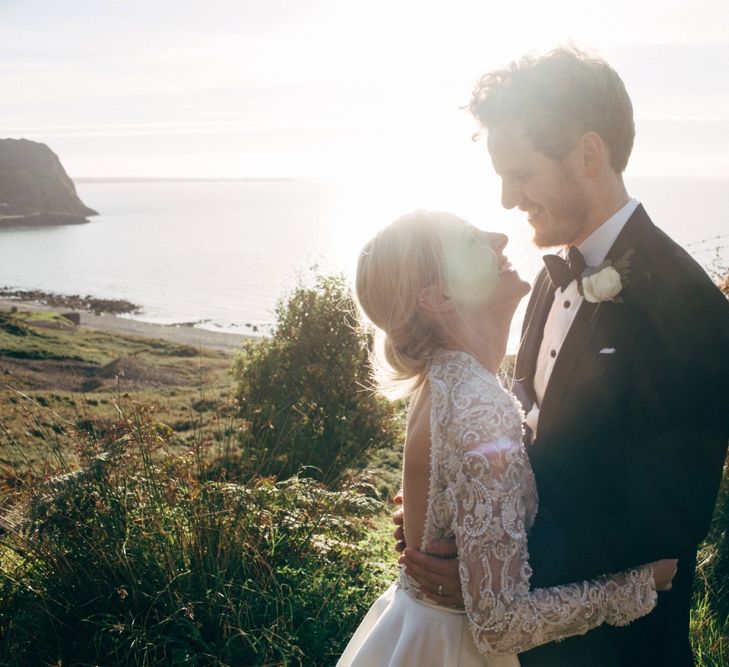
(132, 554)
(138, 537)
(54, 375)
(710, 611)
(44, 317)
(129, 557)
(20, 339)
(709, 633)
(132, 534)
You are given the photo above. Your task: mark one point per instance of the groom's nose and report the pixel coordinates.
(510, 193)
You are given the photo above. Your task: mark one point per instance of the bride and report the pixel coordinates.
(441, 295)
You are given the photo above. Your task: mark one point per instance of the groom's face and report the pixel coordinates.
(545, 189)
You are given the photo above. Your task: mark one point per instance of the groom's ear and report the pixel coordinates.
(432, 301)
(592, 154)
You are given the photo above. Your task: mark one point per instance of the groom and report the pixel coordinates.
(623, 368)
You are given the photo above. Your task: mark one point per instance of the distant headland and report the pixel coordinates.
(35, 188)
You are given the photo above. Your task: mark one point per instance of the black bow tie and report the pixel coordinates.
(562, 272)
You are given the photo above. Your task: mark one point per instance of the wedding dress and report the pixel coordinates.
(482, 492)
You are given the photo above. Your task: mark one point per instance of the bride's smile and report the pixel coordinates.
(481, 291)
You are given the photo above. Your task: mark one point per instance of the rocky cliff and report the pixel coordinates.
(34, 186)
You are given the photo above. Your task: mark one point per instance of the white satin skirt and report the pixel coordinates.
(400, 631)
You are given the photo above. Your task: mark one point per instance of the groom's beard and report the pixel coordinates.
(567, 215)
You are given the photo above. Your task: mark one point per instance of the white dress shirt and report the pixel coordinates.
(567, 302)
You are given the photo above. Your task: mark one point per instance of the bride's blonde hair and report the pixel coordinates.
(393, 268)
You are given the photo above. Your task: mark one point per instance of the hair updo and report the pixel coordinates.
(393, 268)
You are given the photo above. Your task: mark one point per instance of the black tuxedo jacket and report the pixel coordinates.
(632, 437)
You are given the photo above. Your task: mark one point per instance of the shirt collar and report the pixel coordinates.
(596, 246)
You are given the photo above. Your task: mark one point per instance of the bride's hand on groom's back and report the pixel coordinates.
(663, 573)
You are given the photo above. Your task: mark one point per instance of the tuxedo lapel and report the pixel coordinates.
(630, 237)
(532, 331)
(584, 325)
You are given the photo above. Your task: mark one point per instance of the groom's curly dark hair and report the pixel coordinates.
(558, 97)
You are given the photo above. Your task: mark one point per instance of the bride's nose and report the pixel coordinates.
(497, 241)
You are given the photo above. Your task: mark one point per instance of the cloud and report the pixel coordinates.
(321, 74)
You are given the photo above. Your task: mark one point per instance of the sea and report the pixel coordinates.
(220, 254)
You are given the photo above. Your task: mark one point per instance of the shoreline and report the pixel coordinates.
(183, 335)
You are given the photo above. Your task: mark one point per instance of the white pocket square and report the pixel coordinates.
(607, 350)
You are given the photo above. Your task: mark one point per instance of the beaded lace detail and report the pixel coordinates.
(482, 492)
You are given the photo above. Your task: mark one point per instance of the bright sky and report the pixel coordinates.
(337, 88)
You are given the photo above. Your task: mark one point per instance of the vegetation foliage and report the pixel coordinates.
(122, 561)
(710, 613)
(77, 374)
(305, 393)
(124, 548)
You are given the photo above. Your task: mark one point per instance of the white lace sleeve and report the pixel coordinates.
(487, 492)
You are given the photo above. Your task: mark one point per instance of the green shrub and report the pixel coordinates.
(132, 558)
(305, 391)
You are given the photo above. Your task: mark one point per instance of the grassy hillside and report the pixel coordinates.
(127, 537)
(53, 374)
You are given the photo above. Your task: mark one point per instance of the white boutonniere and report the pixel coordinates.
(605, 282)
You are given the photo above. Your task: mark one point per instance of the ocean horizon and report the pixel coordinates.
(221, 253)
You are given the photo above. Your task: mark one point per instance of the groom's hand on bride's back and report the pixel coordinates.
(436, 572)
(397, 519)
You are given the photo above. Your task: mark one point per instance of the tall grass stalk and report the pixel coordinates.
(710, 612)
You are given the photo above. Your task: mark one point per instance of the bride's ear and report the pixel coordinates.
(433, 302)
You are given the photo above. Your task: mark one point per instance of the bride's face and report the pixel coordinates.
(477, 273)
